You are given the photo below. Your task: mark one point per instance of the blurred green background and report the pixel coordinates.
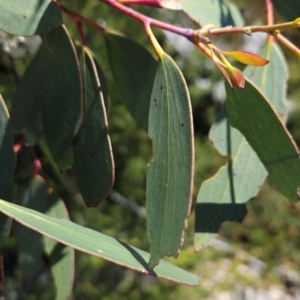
(262, 254)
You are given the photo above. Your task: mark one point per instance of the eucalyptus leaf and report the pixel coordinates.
(93, 159)
(289, 9)
(251, 113)
(219, 13)
(224, 196)
(95, 243)
(26, 113)
(29, 17)
(62, 99)
(62, 258)
(170, 174)
(7, 165)
(30, 242)
(133, 69)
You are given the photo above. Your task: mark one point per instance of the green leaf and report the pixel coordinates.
(223, 197)
(170, 174)
(26, 113)
(93, 160)
(30, 242)
(289, 9)
(7, 165)
(62, 258)
(62, 99)
(104, 86)
(219, 13)
(29, 17)
(95, 243)
(7, 156)
(251, 113)
(272, 78)
(133, 69)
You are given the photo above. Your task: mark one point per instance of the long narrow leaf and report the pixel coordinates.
(170, 174)
(93, 160)
(95, 243)
(224, 196)
(251, 113)
(62, 99)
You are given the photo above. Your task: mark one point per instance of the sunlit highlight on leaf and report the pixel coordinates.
(247, 58)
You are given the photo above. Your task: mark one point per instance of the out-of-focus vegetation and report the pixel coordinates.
(270, 232)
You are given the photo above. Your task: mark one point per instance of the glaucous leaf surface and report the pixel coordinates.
(93, 159)
(133, 69)
(95, 243)
(62, 258)
(170, 174)
(251, 113)
(224, 196)
(29, 17)
(62, 98)
(30, 242)
(26, 113)
(219, 13)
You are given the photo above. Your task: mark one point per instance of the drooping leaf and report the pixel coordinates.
(95, 243)
(29, 17)
(93, 160)
(220, 13)
(62, 99)
(62, 258)
(247, 58)
(26, 113)
(170, 174)
(251, 113)
(104, 85)
(224, 196)
(133, 69)
(30, 242)
(7, 165)
(272, 78)
(289, 9)
(7, 156)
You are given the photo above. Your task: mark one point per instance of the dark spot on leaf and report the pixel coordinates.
(24, 16)
(155, 102)
(234, 174)
(161, 87)
(182, 124)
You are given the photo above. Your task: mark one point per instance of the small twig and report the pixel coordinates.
(186, 32)
(81, 33)
(287, 43)
(269, 12)
(79, 18)
(252, 29)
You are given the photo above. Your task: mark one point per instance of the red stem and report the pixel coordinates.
(81, 33)
(269, 12)
(187, 32)
(79, 18)
(155, 3)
